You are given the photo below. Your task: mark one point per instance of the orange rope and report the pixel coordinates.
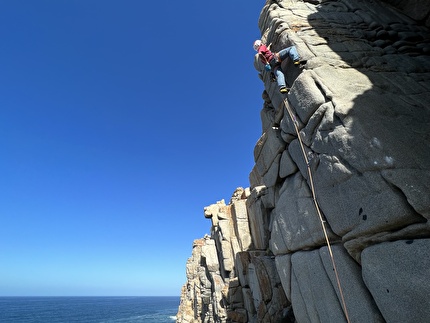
(311, 181)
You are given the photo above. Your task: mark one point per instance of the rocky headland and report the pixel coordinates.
(334, 226)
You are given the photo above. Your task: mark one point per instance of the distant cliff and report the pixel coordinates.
(335, 224)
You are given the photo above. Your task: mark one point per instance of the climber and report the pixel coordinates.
(272, 61)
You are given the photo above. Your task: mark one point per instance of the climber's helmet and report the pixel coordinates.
(257, 44)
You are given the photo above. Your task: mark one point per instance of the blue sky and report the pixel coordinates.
(120, 121)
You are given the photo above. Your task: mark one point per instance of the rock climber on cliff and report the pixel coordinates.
(272, 61)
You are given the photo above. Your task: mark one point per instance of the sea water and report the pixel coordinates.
(88, 309)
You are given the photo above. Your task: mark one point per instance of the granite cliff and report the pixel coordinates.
(334, 226)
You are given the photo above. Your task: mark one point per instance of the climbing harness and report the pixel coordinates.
(323, 225)
(268, 67)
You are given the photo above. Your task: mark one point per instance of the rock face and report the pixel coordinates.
(228, 279)
(335, 224)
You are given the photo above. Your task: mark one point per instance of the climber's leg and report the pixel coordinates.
(290, 52)
(280, 78)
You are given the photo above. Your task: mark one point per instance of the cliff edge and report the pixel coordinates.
(335, 224)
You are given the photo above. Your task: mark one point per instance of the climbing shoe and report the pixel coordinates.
(284, 89)
(300, 63)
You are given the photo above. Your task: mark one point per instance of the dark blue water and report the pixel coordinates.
(88, 309)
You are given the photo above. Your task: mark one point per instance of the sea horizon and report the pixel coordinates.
(88, 309)
(89, 296)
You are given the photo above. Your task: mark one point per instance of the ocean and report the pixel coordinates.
(88, 309)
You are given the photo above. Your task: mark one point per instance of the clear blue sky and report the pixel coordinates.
(120, 121)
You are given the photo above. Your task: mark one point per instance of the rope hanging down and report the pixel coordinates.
(311, 182)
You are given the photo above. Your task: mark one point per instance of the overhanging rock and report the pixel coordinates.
(351, 137)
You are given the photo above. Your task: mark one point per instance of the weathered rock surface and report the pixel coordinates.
(349, 164)
(227, 279)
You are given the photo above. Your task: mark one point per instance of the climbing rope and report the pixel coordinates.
(311, 182)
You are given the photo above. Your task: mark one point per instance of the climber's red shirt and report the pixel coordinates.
(263, 51)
